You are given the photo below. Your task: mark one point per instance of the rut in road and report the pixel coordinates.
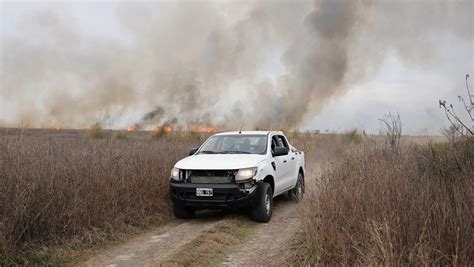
(269, 244)
(269, 239)
(152, 248)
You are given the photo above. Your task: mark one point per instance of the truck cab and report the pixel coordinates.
(232, 170)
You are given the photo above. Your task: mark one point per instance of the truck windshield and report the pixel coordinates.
(235, 144)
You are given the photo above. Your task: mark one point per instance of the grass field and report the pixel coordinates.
(64, 191)
(63, 186)
(374, 205)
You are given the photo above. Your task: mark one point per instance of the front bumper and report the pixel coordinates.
(225, 196)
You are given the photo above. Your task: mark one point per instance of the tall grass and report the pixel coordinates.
(54, 187)
(96, 131)
(377, 206)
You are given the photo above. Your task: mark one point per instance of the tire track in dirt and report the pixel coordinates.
(269, 244)
(152, 248)
(265, 247)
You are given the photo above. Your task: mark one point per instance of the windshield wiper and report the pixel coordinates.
(236, 152)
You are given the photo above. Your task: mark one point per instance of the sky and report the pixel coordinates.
(375, 82)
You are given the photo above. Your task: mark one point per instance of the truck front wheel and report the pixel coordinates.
(262, 209)
(182, 212)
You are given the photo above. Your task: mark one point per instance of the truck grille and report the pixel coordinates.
(210, 176)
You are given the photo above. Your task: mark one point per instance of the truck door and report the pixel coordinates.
(290, 168)
(281, 166)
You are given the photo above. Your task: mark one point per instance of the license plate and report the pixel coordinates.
(204, 192)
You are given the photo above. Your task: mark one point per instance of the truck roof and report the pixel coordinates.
(249, 132)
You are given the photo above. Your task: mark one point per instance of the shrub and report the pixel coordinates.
(96, 131)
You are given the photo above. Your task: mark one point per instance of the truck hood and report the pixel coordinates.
(219, 161)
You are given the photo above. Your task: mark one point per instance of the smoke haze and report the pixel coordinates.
(267, 64)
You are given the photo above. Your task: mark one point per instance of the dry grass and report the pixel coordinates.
(96, 131)
(377, 206)
(210, 248)
(57, 186)
(122, 135)
(373, 205)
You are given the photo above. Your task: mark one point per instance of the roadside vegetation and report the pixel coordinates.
(392, 203)
(65, 192)
(65, 188)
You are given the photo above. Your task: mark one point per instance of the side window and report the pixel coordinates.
(279, 141)
(283, 142)
(275, 143)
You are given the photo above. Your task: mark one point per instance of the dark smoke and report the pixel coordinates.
(151, 118)
(158, 111)
(195, 63)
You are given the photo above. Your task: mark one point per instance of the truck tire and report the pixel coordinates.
(262, 209)
(296, 194)
(182, 212)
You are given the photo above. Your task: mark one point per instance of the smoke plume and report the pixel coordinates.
(267, 64)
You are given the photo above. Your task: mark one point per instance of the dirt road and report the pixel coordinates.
(266, 245)
(269, 243)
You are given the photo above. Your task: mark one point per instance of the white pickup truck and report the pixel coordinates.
(232, 170)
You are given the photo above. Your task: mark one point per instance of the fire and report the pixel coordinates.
(170, 127)
(205, 129)
(164, 129)
(167, 128)
(212, 130)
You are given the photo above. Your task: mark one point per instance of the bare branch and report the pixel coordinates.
(393, 128)
(451, 114)
(468, 109)
(468, 92)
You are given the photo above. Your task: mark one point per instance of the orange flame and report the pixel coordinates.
(205, 129)
(213, 130)
(131, 129)
(165, 129)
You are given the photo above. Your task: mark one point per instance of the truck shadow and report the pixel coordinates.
(244, 213)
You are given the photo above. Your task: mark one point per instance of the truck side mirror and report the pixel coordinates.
(280, 151)
(193, 151)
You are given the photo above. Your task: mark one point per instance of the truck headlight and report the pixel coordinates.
(244, 175)
(175, 174)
